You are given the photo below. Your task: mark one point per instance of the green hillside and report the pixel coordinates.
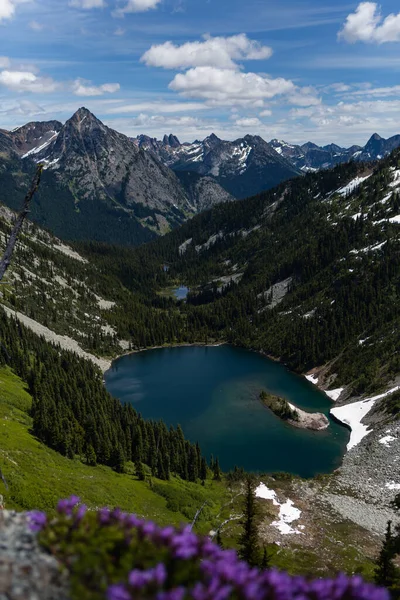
(38, 476)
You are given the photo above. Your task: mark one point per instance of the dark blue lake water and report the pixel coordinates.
(212, 392)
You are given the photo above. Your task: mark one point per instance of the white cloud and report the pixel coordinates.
(337, 88)
(25, 81)
(144, 120)
(4, 62)
(212, 52)
(248, 122)
(119, 31)
(305, 96)
(80, 88)
(25, 108)
(225, 87)
(157, 107)
(366, 24)
(7, 9)
(376, 92)
(135, 6)
(266, 113)
(87, 4)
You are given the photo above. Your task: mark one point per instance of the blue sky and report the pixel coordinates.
(297, 70)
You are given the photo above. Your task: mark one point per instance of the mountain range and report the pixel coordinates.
(102, 185)
(249, 165)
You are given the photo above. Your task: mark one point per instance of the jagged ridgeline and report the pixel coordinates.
(308, 272)
(74, 414)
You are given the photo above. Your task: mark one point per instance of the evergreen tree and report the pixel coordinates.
(140, 472)
(203, 469)
(386, 573)
(91, 458)
(248, 541)
(217, 470)
(266, 559)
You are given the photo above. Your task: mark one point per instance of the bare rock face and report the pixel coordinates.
(26, 571)
(244, 167)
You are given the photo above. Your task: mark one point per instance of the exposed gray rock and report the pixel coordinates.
(26, 571)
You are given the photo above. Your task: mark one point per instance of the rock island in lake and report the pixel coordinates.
(293, 415)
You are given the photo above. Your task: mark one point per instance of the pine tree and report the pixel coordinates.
(140, 472)
(266, 559)
(91, 458)
(203, 469)
(192, 464)
(217, 470)
(248, 541)
(386, 573)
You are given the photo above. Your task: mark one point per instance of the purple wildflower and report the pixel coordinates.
(80, 513)
(118, 592)
(104, 516)
(67, 505)
(37, 520)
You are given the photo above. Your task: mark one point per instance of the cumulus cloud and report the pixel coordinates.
(87, 4)
(248, 122)
(305, 96)
(7, 9)
(82, 87)
(135, 6)
(228, 87)
(266, 113)
(367, 24)
(220, 52)
(25, 81)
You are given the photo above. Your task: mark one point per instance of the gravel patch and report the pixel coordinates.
(64, 341)
(369, 517)
(26, 571)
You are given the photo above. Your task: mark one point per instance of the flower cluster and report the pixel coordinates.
(153, 562)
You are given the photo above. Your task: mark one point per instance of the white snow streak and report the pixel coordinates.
(352, 415)
(350, 187)
(287, 511)
(386, 440)
(334, 394)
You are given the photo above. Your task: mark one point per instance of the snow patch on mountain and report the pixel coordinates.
(353, 414)
(288, 513)
(42, 146)
(352, 185)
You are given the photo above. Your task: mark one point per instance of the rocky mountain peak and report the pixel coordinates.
(212, 139)
(171, 140)
(81, 116)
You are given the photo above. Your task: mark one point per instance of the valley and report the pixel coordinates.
(306, 273)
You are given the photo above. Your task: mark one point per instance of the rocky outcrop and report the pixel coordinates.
(294, 415)
(26, 571)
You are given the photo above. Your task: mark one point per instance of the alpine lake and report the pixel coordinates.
(213, 393)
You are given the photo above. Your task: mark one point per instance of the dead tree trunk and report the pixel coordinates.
(7, 256)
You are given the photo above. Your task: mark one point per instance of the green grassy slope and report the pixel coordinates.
(38, 477)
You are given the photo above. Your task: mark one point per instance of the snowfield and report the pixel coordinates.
(353, 414)
(334, 394)
(287, 511)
